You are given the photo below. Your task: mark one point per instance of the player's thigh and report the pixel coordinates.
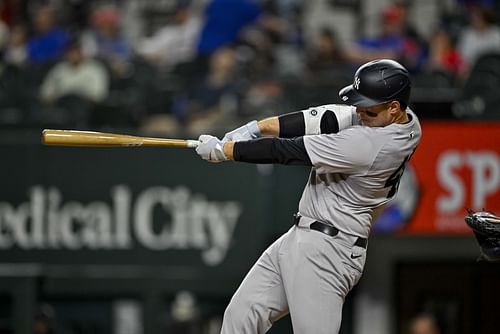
(324, 318)
(316, 282)
(260, 299)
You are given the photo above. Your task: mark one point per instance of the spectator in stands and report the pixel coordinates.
(16, 51)
(391, 44)
(174, 43)
(215, 96)
(288, 15)
(75, 84)
(45, 322)
(105, 41)
(327, 70)
(223, 22)
(444, 56)
(263, 98)
(325, 56)
(482, 35)
(424, 323)
(286, 47)
(49, 41)
(272, 47)
(408, 29)
(257, 51)
(10, 12)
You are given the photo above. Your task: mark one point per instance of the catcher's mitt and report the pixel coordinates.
(486, 227)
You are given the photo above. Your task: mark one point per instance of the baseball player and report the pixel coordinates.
(358, 153)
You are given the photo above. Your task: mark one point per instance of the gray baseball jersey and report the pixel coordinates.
(356, 171)
(306, 273)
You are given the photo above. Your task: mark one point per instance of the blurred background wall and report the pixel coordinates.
(150, 241)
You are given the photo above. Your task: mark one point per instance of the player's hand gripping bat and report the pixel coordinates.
(102, 139)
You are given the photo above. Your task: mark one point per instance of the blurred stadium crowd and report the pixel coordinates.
(182, 67)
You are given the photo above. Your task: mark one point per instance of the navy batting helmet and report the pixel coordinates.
(377, 82)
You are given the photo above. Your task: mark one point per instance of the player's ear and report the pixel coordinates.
(394, 107)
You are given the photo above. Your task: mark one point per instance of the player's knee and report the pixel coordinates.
(237, 316)
(316, 328)
(234, 317)
(231, 314)
(323, 325)
(238, 319)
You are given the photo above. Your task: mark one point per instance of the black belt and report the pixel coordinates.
(329, 230)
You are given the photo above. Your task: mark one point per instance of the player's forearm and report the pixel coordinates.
(284, 126)
(269, 127)
(229, 150)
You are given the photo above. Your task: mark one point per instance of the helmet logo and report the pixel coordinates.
(357, 81)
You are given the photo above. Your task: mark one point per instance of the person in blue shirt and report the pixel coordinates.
(49, 41)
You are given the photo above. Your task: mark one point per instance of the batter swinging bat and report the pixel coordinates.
(102, 139)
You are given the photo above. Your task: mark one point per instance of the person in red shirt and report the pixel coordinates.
(443, 56)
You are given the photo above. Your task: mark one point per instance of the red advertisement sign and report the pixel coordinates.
(457, 166)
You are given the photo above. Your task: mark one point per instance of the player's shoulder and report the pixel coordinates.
(365, 139)
(404, 129)
(360, 138)
(360, 131)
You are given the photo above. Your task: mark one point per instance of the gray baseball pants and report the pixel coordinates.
(305, 273)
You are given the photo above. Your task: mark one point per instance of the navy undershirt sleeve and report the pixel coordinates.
(272, 151)
(292, 125)
(329, 122)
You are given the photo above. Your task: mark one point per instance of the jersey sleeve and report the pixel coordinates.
(351, 151)
(330, 118)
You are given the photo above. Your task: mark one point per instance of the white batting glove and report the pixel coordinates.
(211, 149)
(246, 132)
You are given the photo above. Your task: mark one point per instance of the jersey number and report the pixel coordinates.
(393, 180)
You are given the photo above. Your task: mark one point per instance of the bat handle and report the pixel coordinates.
(192, 143)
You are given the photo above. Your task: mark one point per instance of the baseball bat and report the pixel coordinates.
(103, 139)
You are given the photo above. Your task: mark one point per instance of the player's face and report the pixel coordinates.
(376, 116)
